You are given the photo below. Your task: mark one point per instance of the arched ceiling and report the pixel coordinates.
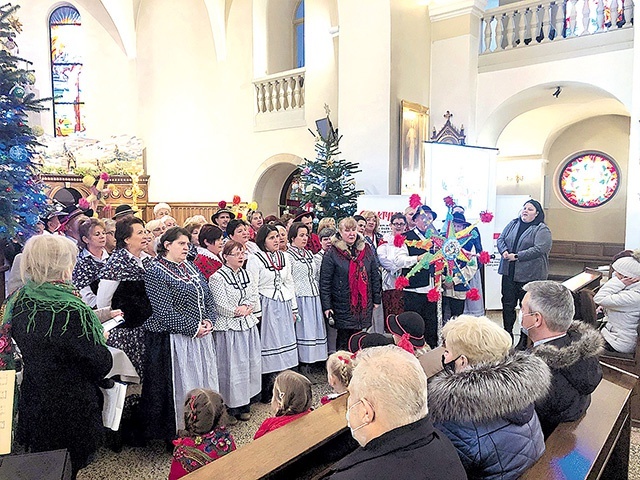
(523, 124)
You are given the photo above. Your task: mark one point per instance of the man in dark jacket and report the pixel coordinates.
(570, 349)
(387, 415)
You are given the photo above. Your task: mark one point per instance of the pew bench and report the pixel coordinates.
(595, 446)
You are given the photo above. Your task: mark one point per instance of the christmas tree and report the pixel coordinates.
(21, 195)
(327, 183)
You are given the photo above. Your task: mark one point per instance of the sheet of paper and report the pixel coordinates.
(7, 389)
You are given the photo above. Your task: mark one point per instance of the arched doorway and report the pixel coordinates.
(274, 179)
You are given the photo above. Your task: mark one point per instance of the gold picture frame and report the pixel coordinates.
(414, 120)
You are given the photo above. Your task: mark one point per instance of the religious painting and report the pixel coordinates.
(413, 130)
(588, 180)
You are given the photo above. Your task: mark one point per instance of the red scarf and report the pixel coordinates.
(358, 280)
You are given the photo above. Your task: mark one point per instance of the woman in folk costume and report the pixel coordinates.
(278, 307)
(181, 354)
(86, 273)
(235, 331)
(310, 330)
(122, 287)
(64, 353)
(211, 241)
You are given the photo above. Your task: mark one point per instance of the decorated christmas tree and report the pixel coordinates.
(327, 185)
(21, 195)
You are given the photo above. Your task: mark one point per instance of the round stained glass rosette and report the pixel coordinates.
(589, 180)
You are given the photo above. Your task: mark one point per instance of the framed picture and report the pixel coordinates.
(414, 120)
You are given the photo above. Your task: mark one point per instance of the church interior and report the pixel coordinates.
(194, 103)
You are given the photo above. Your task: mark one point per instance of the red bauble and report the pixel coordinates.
(398, 240)
(415, 201)
(473, 294)
(402, 282)
(484, 257)
(433, 295)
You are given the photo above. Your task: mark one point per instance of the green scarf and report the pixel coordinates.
(57, 298)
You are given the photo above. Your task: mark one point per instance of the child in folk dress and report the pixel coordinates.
(204, 439)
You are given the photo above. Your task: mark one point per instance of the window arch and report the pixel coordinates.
(298, 35)
(65, 34)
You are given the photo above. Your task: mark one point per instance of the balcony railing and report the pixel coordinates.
(280, 92)
(529, 23)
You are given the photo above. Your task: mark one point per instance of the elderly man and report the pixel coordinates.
(387, 415)
(570, 349)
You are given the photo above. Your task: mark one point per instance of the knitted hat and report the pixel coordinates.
(628, 266)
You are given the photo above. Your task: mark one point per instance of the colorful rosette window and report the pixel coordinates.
(589, 180)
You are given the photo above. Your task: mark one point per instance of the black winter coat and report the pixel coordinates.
(335, 293)
(416, 451)
(575, 374)
(60, 403)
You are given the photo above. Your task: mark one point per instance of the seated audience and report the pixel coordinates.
(388, 416)
(570, 348)
(291, 400)
(620, 297)
(204, 439)
(484, 399)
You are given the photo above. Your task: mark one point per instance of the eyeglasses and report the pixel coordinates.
(237, 255)
(396, 224)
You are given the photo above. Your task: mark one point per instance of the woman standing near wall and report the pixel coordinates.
(524, 246)
(278, 307)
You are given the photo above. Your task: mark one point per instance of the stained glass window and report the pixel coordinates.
(298, 35)
(589, 180)
(65, 30)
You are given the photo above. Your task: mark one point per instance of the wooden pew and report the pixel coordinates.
(597, 445)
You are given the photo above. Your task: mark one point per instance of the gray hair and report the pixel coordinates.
(554, 302)
(392, 381)
(48, 258)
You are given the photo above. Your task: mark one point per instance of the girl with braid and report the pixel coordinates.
(203, 439)
(339, 371)
(291, 400)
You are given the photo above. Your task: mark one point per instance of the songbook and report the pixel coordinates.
(7, 390)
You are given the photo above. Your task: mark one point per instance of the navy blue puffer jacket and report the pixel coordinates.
(487, 411)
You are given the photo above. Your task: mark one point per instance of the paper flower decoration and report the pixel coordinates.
(236, 199)
(415, 201)
(398, 240)
(83, 203)
(473, 295)
(222, 204)
(401, 282)
(484, 257)
(448, 201)
(433, 295)
(486, 217)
